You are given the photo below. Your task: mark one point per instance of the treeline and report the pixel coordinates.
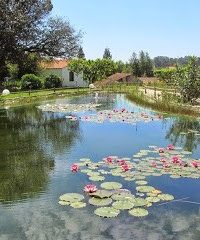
(164, 61)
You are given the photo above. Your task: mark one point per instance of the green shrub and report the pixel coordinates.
(52, 81)
(31, 81)
(165, 74)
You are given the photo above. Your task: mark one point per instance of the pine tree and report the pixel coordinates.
(81, 53)
(107, 54)
(148, 66)
(135, 65)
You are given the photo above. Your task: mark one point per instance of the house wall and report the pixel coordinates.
(64, 75)
(78, 79)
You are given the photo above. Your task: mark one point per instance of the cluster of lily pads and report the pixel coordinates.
(111, 197)
(120, 115)
(66, 108)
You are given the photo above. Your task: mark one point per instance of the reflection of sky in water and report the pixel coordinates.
(65, 143)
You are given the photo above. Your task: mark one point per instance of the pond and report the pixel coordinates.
(37, 149)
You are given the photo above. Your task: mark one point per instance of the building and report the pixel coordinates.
(60, 68)
(116, 78)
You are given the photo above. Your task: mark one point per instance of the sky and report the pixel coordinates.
(160, 27)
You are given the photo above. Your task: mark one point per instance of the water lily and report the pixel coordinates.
(121, 162)
(195, 164)
(166, 165)
(161, 150)
(125, 167)
(90, 188)
(176, 160)
(109, 160)
(154, 164)
(163, 160)
(74, 167)
(170, 147)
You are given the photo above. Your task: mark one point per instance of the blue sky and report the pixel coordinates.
(161, 27)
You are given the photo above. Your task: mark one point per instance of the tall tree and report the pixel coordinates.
(135, 65)
(142, 60)
(25, 27)
(81, 53)
(107, 54)
(149, 66)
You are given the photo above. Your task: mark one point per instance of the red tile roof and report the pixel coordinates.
(55, 64)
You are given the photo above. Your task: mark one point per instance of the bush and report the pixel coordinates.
(52, 81)
(165, 74)
(31, 81)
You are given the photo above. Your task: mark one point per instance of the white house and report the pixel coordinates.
(60, 68)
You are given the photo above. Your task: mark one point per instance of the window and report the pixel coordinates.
(71, 76)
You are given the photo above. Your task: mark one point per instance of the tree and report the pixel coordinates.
(81, 53)
(188, 79)
(135, 65)
(26, 28)
(142, 60)
(107, 54)
(148, 66)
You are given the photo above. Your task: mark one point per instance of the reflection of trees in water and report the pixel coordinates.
(182, 125)
(28, 141)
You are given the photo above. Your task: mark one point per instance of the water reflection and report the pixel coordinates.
(180, 132)
(29, 142)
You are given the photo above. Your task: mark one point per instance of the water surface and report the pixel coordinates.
(37, 149)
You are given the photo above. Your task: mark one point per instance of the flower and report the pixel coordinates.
(166, 165)
(74, 167)
(121, 162)
(176, 160)
(195, 164)
(170, 147)
(154, 164)
(163, 160)
(161, 150)
(125, 167)
(90, 188)
(109, 160)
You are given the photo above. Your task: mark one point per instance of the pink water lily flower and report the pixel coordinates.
(90, 188)
(125, 167)
(161, 150)
(154, 164)
(74, 167)
(176, 160)
(166, 165)
(170, 147)
(109, 160)
(163, 160)
(195, 164)
(121, 162)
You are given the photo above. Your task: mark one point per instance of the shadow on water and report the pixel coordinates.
(29, 142)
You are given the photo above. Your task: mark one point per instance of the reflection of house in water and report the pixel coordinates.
(60, 68)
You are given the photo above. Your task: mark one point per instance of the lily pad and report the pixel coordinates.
(139, 202)
(100, 201)
(111, 185)
(107, 212)
(122, 205)
(64, 203)
(97, 178)
(141, 182)
(78, 204)
(122, 196)
(145, 189)
(166, 197)
(71, 197)
(102, 194)
(138, 212)
(153, 199)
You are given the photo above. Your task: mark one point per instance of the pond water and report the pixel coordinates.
(37, 149)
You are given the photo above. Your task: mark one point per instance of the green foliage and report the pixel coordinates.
(107, 54)
(188, 80)
(13, 70)
(165, 74)
(81, 53)
(142, 65)
(52, 81)
(31, 81)
(93, 70)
